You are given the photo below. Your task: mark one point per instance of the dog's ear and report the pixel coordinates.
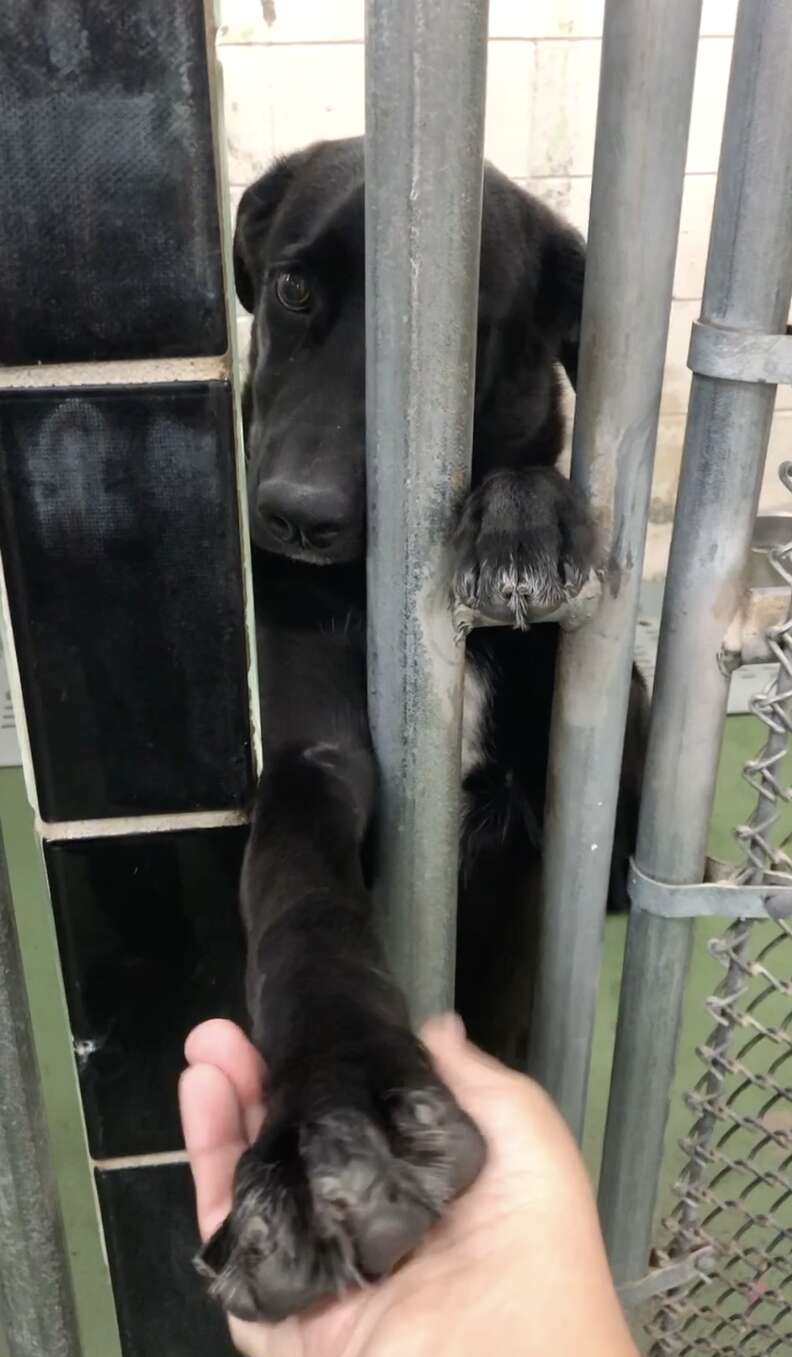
(257, 208)
(560, 293)
(532, 270)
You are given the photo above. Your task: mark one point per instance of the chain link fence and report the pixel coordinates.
(733, 1218)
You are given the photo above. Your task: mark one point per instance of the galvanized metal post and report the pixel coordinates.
(747, 288)
(425, 85)
(37, 1314)
(646, 87)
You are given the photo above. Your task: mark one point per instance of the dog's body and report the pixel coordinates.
(350, 1088)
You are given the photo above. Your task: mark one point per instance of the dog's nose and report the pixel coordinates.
(312, 516)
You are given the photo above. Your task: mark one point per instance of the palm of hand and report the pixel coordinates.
(527, 1220)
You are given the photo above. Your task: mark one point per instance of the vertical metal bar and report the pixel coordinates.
(748, 285)
(425, 85)
(646, 88)
(37, 1313)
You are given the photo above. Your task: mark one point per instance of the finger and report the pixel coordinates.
(512, 1110)
(251, 1340)
(482, 1085)
(214, 1137)
(445, 1038)
(457, 1060)
(444, 1032)
(221, 1043)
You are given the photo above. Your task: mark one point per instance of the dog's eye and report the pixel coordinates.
(292, 291)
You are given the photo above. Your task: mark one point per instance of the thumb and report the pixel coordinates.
(458, 1061)
(513, 1111)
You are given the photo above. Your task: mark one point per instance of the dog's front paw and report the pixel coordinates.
(523, 549)
(336, 1193)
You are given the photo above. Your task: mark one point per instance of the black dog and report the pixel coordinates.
(363, 1147)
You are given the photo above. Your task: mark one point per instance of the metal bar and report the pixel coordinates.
(725, 444)
(37, 1314)
(425, 86)
(646, 88)
(708, 899)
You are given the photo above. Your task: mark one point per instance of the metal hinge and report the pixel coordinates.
(709, 898)
(740, 355)
(669, 1278)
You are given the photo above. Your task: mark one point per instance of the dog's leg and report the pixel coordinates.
(523, 547)
(363, 1147)
(496, 950)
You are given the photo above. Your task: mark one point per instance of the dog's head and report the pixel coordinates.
(299, 266)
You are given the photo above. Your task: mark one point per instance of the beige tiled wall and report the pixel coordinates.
(293, 72)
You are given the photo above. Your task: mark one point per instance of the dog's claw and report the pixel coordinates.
(524, 548)
(517, 607)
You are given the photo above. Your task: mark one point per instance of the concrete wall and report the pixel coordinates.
(293, 73)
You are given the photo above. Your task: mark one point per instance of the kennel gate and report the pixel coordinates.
(711, 626)
(425, 94)
(726, 1288)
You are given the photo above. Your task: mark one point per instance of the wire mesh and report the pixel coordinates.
(734, 1208)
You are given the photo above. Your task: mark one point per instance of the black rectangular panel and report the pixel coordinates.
(120, 539)
(150, 943)
(109, 231)
(149, 1223)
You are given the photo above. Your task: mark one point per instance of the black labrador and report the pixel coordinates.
(363, 1147)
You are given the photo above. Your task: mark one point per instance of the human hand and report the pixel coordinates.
(517, 1264)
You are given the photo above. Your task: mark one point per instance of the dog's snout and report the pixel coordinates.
(301, 515)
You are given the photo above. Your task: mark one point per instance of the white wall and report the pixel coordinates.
(293, 72)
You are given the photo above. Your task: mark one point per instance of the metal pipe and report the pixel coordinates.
(37, 1313)
(748, 285)
(425, 85)
(646, 88)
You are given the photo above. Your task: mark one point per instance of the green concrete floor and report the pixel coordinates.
(97, 1324)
